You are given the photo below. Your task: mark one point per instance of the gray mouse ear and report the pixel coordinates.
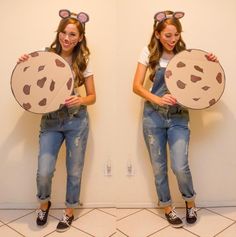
(63, 13)
(83, 17)
(159, 16)
(178, 15)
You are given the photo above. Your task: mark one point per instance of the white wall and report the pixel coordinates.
(116, 33)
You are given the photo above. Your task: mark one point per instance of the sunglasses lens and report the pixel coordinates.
(64, 13)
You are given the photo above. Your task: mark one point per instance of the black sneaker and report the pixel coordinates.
(191, 214)
(65, 223)
(173, 219)
(43, 215)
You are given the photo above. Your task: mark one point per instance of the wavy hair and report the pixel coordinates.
(80, 54)
(155, 47)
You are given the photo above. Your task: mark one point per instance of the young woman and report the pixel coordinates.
(70, 123)
(164, 121)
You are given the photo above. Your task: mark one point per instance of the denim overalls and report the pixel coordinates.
(70, 125)
(162, 125)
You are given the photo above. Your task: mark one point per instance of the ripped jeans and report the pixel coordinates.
(55, 128)
(162, 126)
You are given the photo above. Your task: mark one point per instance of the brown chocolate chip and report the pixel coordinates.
(181, 84)
(59, 63)
(43, 102)
(180, 64)
(196, 99)
(168, 73)
(34, 54)
(26, 89)
(26, 106)
(189, 50)
(195, 78)
(205, 88)
(40, 68)
(69, 84)
(198, 68)
(219, 78)
(211, 102)
(52, 85)
(207, 58)
(41, 82)
(25, 68)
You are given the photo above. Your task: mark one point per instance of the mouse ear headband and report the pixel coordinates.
(161, 16)
(81, 17)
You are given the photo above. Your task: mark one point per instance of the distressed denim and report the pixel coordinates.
(162, 126)
(55, 128)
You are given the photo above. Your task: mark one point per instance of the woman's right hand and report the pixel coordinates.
(23, 58)
(167, 99)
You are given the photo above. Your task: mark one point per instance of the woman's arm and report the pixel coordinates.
(90, 97)
(139, 89)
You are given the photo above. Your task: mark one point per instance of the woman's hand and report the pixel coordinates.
(23, 58)
(167, 99)
(212, 57)
(73, 101)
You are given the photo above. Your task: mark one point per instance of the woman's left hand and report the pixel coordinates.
(73, 101)
(212, 57)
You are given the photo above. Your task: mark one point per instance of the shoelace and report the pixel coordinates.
(173, 214)
(65, 219)
(41, 214)
(192, 212)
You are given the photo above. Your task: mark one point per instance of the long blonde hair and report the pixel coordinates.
(155, 47)
(80, 54)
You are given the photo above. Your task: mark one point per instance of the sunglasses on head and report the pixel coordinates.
(81, 17)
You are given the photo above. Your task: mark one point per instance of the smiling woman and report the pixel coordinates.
(69, 123)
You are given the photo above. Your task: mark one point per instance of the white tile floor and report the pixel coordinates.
(112, 222)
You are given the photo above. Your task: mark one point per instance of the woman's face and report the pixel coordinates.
(69, 38)
(168, 37)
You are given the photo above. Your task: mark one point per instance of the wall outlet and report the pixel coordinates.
(130, 168)
(107, 168)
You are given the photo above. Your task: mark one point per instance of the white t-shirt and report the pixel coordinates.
(144, 58)
(88, 71)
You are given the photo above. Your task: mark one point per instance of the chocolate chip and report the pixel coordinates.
(43, 102)
(198, 68)
(195, 78)
(219, 78)
(26, 89)
(26, 106)
(181, 84)
(25, 68)
(211, 102)
(180, 64)
(69, 84)
(52, 85)
(34, 54)
(41, 82)
(205, 88)
(168, 73)
(59, 63)
(40, 68)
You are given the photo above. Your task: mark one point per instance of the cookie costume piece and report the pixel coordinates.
(193, 80)
(42, 83)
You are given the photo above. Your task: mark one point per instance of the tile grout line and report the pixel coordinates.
(14, 230)
(219, 214)
(18, 218)
(106, 212)
(129, 215)
(122, 232)
(224, 229)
